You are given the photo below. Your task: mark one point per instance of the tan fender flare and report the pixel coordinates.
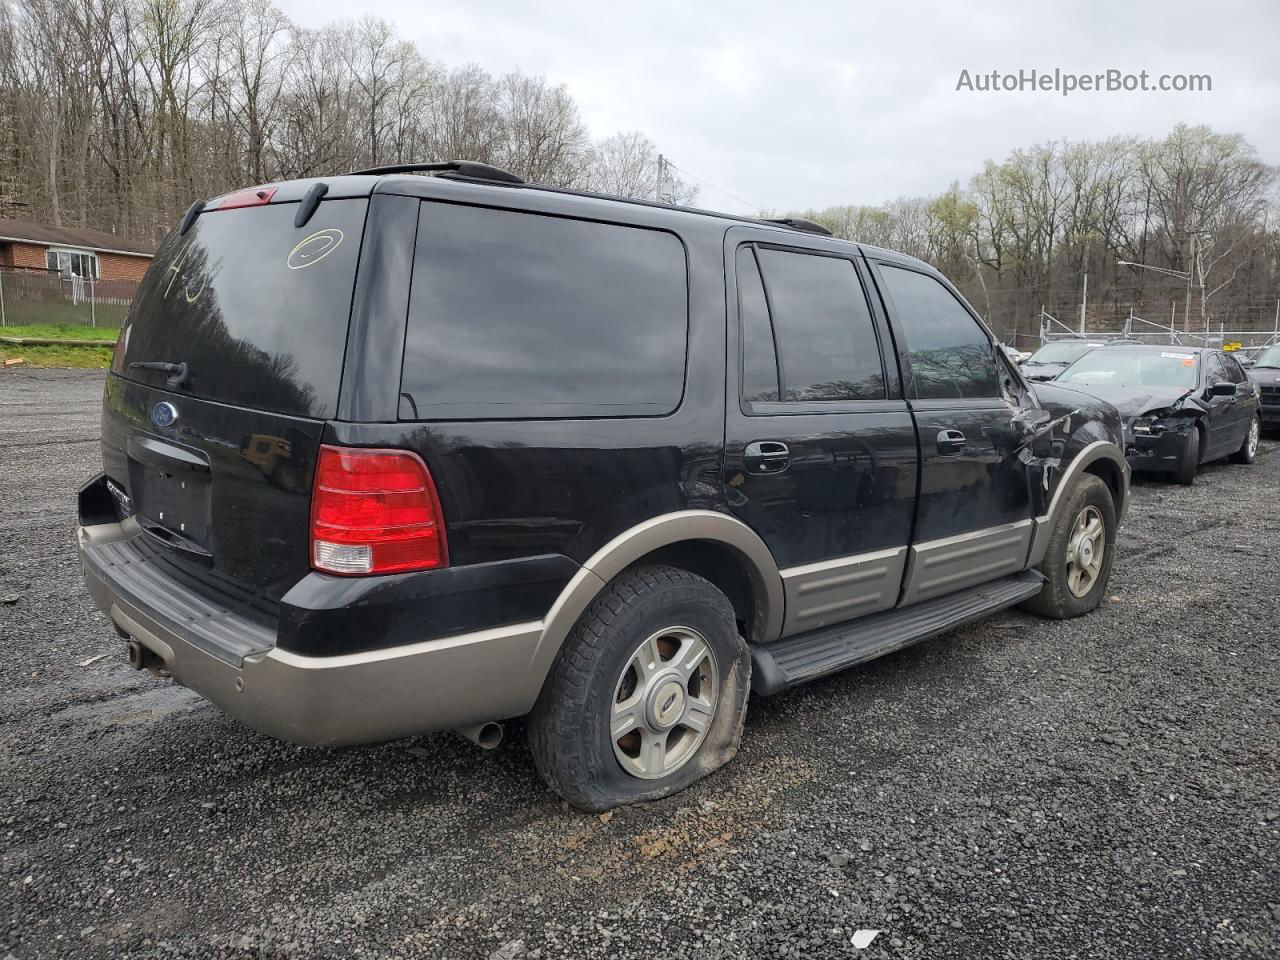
(633, 544)
(1043, 526)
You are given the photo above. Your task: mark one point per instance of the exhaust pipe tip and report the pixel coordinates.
(486, 736)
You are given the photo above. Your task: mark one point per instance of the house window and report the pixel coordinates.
(72, 263)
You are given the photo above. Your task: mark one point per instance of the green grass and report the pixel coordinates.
(59, 331)
(95, 357)
(109, 315)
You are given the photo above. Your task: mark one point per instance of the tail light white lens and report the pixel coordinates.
(375, 511)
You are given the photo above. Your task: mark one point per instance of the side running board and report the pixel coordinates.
(788, 663)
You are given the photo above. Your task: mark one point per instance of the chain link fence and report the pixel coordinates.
(1137, 329)
(30, 297)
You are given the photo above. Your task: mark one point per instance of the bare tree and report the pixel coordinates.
(626, 165)
(116, 114)
(545, 140)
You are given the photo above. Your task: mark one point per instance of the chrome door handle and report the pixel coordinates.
(951, 442)
(766, 456)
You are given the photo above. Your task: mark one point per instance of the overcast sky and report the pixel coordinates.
(791, 105)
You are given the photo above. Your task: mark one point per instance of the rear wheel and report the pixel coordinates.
(1188, 466)
(647, 695)
(1077, 562)
(1248, 451)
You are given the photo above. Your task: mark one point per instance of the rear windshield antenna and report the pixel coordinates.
(189, 217)
(309, 203)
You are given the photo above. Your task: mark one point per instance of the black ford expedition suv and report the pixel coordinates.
(389, 453)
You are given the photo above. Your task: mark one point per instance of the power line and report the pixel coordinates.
(746, 203)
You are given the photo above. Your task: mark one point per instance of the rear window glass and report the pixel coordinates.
(256, 307)
(516, 315)
(823, 325)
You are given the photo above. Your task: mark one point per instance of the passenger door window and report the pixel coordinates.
(1215, 370)
(949, 355)
(807, 330)
(1235, 373)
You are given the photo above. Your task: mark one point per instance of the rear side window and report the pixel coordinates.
(256, 307)
(949, 355)
(517, 315)
(821, 325)
(759, 357)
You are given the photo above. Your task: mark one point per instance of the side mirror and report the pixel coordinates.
(1222, 389)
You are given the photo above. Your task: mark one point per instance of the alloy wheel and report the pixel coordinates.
(1253, 438)
(663, 703)
(1086, 547)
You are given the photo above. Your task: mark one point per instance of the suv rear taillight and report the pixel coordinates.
(375, 511)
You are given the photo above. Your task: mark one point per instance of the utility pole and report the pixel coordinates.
(657, 190)
(1186, 314)
(1084, 296)
(1200, 274)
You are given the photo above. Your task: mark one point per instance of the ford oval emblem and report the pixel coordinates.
(164, 414)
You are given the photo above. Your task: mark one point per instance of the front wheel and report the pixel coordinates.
(1248, 451)
(1077, 562)
(647, 695)
(1189, 464)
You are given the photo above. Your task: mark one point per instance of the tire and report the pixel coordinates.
(1089, 498)
(603, 665)
(1248, 451)
(1185, 474)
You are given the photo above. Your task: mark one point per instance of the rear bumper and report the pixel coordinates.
(318, 701)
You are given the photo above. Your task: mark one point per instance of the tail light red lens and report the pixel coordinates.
(375, 511)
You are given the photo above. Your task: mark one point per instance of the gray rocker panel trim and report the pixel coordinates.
(835, 590)
(943, 566)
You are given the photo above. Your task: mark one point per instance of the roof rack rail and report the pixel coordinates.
(470, 169)
(799, 223)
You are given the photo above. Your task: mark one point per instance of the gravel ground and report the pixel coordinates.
(1103, 787)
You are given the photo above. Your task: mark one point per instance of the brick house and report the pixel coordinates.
(72, 252)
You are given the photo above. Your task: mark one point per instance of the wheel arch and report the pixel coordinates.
(1103, 459)
(1112, 474)
(697, 540)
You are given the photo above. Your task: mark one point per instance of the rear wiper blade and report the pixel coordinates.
(178, 372)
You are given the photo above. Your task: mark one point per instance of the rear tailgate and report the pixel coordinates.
(221, 385)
